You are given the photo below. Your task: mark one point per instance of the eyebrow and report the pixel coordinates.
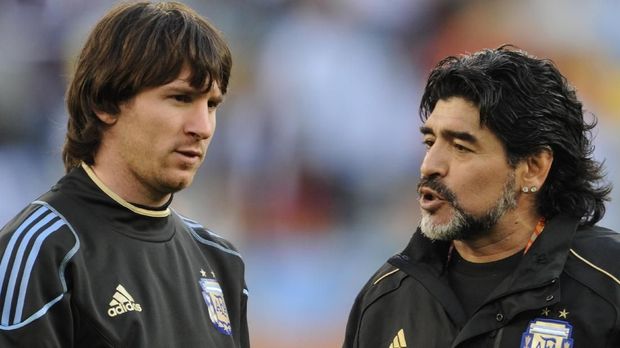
(451, 134)
(191, 90)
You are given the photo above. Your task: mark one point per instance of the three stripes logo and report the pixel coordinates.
(122, 303)
(19, 259)
(399, 340)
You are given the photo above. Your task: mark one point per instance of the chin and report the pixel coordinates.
(182, 185)
(446, 231)
(176, 185)
(180, 179)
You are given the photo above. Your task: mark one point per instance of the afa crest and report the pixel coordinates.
(547, 333)
(214, 298)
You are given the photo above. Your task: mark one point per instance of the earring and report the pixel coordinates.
(533, 189)
(525, 189)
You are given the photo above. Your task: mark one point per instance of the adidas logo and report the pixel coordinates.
(122, 302)
(399, 340)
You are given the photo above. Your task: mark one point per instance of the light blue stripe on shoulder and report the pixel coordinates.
(214, 234)
(34, 252)
(38, 314)
(11, 245)
(188, 220)
(17, 265)
(61, 269)
(71, 252)
(194, 224)
(213, 244)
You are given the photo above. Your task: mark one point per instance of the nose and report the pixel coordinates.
(201, 122)
(435, 162)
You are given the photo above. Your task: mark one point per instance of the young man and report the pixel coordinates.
(507, 253)
(101, 260)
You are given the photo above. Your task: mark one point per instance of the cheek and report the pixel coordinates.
(143, 143)
(477, 193)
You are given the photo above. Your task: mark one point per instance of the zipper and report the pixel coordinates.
(498, 338)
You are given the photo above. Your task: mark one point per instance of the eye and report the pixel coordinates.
(461, 148)
(183, 98)
(428, 143)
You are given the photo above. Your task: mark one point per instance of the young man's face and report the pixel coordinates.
(467, 184)
(161, 136)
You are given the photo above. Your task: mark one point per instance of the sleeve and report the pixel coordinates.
(351, 333)
(35, 249)
(245, 334)
(366, 296)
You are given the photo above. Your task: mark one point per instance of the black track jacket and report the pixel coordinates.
(564, 293)
(80, 267)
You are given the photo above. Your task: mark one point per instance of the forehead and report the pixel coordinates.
(456, 114)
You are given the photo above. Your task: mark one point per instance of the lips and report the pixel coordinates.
(190, 156)
(190, 152)
(430, 200)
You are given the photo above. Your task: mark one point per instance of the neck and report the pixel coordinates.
(506, 238)
(127, 189)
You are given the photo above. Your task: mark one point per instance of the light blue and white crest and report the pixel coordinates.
(547, 333)
(214, 298)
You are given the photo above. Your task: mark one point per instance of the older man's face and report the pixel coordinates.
(467, 184)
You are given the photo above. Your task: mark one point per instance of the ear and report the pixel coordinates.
(106, 118)
(535, 168)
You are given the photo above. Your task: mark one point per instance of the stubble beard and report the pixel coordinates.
(466, 226)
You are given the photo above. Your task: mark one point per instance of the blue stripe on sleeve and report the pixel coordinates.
(34, 252)
(9, 248)
(17, 266)
(35, 316)
(31, 259)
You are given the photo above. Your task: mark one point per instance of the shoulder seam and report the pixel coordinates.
(595, 266)
(193, 224)
(385, 275)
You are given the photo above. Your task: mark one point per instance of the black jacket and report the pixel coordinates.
(564, 293)
(80, 267)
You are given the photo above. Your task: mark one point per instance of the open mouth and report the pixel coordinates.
(430, 200)
(429, 194)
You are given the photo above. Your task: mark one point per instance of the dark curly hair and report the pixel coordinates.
(137, 46)
(529, 105)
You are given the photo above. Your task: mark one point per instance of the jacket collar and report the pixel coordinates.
(548, 253)
(426, 261)
(546, 258)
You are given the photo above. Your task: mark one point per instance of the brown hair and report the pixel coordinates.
(134, 47)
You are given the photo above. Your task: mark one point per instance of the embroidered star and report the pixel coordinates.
(564, 314)
(203, 273)
(546, 312)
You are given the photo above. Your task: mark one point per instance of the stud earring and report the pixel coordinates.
(525, 189)
(533, 189)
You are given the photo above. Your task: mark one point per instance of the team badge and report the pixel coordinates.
(214, 298)
(547, 333)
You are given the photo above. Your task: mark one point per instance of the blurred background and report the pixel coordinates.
(313, 168)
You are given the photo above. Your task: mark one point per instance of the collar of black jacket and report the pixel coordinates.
(548, 252)
(426, 261)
